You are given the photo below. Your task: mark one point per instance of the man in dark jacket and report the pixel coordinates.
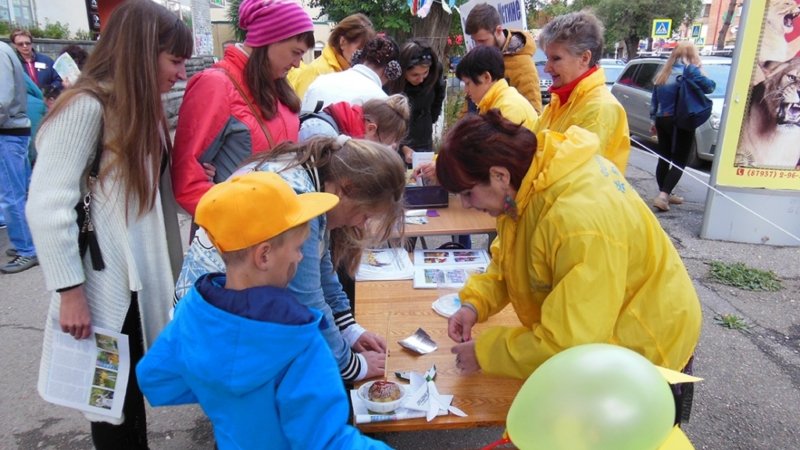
(38, 66)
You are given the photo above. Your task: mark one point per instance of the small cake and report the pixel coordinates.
(384, 391)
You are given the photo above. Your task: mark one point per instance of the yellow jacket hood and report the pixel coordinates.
(329, 61)
(592, 107)
(521, 71)
(512, 105)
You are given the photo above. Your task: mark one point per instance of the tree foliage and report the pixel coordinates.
(630, 21)
(624, 20)
(391, 16)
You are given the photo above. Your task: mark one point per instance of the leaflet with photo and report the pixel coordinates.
(385, 264)
(447, 268)
(66, 68)
(89, 374)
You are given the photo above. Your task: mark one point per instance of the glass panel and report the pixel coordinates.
(645, 76)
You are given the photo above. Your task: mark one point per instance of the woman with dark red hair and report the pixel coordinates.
(578, 255)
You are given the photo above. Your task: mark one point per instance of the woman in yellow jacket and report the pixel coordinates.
(349, 35)
(578, 254)
(573, 44)
(482, 71)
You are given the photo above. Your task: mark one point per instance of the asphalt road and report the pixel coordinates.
(749, 399)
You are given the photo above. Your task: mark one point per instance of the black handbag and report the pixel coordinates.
(87, 239)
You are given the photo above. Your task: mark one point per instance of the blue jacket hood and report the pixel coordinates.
(236, 354)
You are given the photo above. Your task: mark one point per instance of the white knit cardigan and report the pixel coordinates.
(134, 248)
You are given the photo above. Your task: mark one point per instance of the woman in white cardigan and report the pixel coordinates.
(116, 103)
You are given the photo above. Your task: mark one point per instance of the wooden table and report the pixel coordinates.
(486, 399)
(454, 219)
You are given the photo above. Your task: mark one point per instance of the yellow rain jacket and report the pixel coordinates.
(585, 262)
(521, 71)
(329, 61)
(591, 106)
(512, 105)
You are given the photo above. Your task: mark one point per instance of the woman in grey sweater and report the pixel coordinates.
(115, 106)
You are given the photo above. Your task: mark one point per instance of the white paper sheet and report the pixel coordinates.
(89, 374)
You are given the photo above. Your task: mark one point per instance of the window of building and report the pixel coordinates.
(706, 11)
(18, 12)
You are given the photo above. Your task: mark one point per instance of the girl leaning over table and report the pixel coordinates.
(115, 109)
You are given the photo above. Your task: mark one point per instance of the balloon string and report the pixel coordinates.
(785, 231)
(497, 443)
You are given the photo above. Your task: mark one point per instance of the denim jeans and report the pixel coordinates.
(15, 175)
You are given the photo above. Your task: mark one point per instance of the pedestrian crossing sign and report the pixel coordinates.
(662, 28)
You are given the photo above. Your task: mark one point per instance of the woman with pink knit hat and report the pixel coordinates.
(242, 105)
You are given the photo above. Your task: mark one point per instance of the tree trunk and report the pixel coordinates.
(433, 30)
(726, 25)
(632, 46)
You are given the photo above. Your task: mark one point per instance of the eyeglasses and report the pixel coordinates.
(23, 44)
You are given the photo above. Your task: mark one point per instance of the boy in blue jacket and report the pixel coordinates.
(240, 344)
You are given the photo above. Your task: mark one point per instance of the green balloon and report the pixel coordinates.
(592, 397)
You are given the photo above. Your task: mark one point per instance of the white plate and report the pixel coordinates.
(447, 305)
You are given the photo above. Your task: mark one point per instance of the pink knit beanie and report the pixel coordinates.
(270, 21)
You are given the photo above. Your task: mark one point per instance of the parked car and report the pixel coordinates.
(634, 89)
(612, 68)
(545, 80)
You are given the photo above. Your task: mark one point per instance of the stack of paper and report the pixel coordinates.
(385, 264)
(447, 268)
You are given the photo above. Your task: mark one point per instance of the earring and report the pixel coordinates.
(510, 207)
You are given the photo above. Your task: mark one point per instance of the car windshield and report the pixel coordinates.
(719, 73)
(612, 72)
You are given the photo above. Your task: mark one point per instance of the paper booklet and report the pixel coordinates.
(66, 68)
(385, 264)
(90, 374)
(447, 268)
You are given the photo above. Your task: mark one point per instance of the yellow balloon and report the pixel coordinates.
(592, 397)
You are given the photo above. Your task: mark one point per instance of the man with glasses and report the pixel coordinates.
(38, 66)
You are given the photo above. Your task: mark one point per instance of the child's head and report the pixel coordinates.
(386, 119)
(479, 69)
(258, 224)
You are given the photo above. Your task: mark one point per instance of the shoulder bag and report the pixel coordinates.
(87, 239)
(692, 107)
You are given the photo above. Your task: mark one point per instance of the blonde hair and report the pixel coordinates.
(390, 114)
(370, 174)
(687, 53)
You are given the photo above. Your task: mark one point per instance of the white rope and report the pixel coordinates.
(788, 233)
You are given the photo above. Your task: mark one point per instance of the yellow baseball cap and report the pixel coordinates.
(251, 208)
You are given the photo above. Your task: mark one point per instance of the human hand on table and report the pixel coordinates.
(466, 360)
(376, 362)
(74, 315)
(369, 341)
(459, 326)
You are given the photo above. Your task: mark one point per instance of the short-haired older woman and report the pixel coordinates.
(573, 44)
(349, 35)
(574, 272)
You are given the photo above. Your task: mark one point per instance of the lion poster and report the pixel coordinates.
(764, 150)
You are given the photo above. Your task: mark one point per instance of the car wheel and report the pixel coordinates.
(693, 160)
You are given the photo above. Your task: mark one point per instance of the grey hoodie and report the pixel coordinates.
(13, 97)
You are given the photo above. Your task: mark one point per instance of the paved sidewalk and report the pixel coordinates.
(750, 398)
